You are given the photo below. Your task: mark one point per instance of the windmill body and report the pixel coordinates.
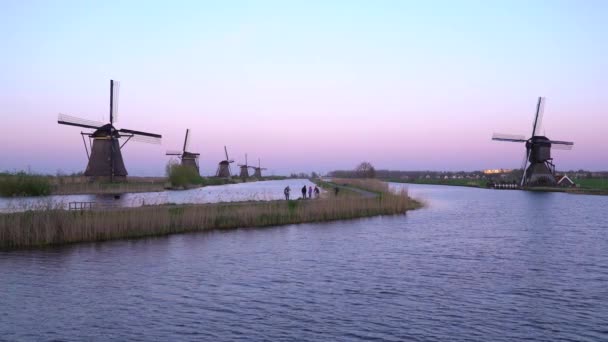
(105, 157)
(189, 159)
(257, 170)
(223, 168)
(244, 174)
(538, 166)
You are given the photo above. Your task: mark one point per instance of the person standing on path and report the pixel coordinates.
(336, 190)
(304, 192)
(317, 192)
(310, 191)
(286, 192)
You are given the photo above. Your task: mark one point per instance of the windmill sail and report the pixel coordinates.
(186, 141)
(69, 120)
(114, 92)
(538, 119)
(508, 137)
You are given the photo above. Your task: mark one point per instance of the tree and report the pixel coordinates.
(365, 170)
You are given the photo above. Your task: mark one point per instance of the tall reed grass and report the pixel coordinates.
(50, 227)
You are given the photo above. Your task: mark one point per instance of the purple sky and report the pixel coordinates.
(310, 86)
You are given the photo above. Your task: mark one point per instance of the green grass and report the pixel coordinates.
(592, 183)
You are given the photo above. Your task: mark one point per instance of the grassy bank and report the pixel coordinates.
(475, 183)
(51, 227)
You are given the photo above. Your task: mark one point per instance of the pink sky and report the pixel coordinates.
(307, 88)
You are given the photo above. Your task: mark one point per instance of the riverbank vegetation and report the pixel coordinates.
(51, 227)
(186, 177)
(24, 184)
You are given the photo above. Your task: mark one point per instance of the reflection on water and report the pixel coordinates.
(475, 265)
(254, 191)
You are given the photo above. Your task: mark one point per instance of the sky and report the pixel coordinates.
(306, 85)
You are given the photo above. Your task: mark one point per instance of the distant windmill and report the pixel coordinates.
(188, 158)
(244, 169)
(257, 173)
(105, 159)
(538, 166)
(223, 168)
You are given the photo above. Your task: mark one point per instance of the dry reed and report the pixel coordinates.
(50, 227)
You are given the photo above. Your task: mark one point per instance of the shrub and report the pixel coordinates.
(182, 176)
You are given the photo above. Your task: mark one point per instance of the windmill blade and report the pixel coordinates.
(186, 141)
(508, 137)
(114, 91)
(562, 147)
(525, 166)
(558, 142)
(226, 151)
(64, 119)
(145, 139)
(173, 153)
(538, 119)
(146, 134)
(230, 161)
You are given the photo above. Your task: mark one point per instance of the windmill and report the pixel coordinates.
(223, 168)
(538, 168)
(188, 158)
(105, 158)
(257, 173)
(244, 169)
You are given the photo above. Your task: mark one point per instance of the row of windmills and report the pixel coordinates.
(224, 170)
(105, 143)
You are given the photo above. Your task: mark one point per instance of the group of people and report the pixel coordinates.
(316, 192)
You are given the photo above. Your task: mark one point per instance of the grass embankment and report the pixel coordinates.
(475, 183)
(592, 183)
(51, 227)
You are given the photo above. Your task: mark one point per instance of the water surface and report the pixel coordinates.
(254, 191)
(475, 265)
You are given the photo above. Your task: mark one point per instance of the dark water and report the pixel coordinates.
(477, 265)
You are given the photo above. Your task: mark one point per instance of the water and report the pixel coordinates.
(255, 191)
(476, 265)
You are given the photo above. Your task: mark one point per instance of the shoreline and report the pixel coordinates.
(571, 191)
(34, 229)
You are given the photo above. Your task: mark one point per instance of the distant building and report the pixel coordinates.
(496, 171)
(565, 182)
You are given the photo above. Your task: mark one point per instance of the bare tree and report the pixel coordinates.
(365, 170)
